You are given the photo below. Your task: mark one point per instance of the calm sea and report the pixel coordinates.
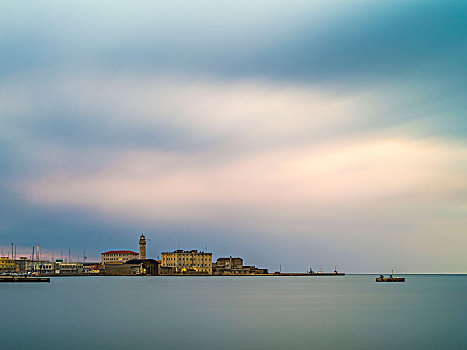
(351, 312)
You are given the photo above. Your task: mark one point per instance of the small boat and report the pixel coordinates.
(381, 278)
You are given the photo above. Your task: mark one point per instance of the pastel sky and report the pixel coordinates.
(294, 133)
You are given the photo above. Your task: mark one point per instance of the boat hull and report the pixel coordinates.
(390, 279)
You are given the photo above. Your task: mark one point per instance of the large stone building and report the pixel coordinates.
(122, 256)
(234, 266)
(187, 262)
(118, 256)
(127, 262)
(229, 263)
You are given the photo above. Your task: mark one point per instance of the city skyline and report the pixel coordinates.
(293, 133)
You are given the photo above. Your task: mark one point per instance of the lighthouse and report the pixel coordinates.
(142, 247)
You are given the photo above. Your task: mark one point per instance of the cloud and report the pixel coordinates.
(76, 118)
(155, 186)
(250, 158)
(348, 196)
(305, 41)
(182, 148)
(189, 113)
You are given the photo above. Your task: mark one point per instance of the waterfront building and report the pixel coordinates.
(133, 267)
(234, 266)
(253, 270)
(122, 256)
(93, 268)
(187, 262)
(118, 256)
(42, 266)
(69, 267)
(229, 263)
(21, 264)
(7, 265)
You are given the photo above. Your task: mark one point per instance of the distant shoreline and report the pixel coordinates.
(285, 274)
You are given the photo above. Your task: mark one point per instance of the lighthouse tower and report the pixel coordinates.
(142, 247)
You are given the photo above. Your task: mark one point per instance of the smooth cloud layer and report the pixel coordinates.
(283, 168)
(154, 186)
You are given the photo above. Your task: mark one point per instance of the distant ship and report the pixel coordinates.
(321, 273)
(381, 278)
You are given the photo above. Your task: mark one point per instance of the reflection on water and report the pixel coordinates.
(351, 312)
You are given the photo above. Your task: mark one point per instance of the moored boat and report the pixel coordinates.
(391, 278)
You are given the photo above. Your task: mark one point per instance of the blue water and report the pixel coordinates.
(351, 312)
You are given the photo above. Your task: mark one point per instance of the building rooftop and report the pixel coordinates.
(180, 251)
(120, 252)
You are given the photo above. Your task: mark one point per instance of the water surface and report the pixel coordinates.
(351, 312)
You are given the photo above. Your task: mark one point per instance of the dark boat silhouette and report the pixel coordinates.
(391, 278)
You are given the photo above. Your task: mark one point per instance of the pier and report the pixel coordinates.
(23, 279)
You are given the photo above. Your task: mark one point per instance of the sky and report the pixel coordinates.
(294, 134)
